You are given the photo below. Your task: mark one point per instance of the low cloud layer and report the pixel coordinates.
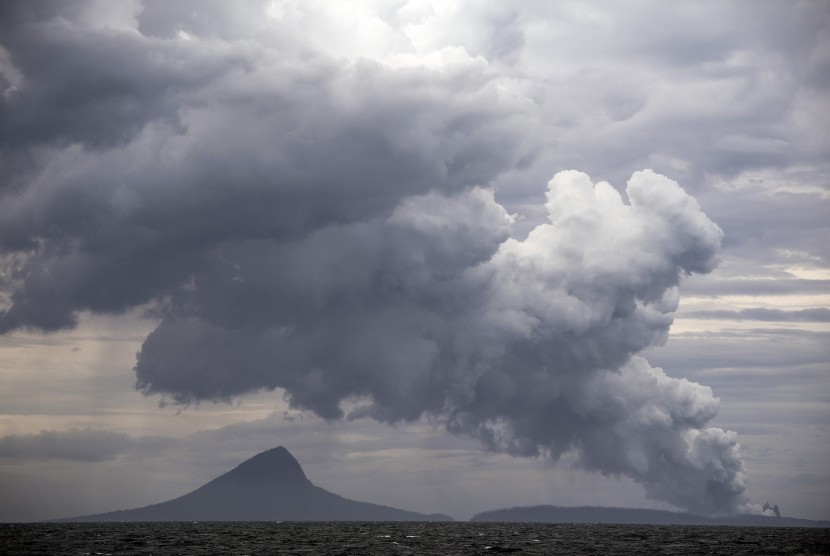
(73, 444)
(318, 217)
(819, 314)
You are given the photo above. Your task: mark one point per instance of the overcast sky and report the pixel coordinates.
(453, 255)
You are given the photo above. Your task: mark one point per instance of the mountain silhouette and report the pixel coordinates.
(270, 486)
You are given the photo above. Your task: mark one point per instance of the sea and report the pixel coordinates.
(417, 538)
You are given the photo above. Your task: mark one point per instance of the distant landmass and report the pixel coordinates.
(270, 486)
(594, 514)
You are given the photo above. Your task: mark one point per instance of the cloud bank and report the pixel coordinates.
(326, 227)
(73, 444)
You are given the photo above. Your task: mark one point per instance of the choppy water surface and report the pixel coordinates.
(403, 538)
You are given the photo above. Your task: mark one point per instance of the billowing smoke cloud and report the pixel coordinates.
(527, 345)
(325, 227)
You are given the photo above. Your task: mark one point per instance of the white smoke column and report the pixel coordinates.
(527, 345)
(569, 307)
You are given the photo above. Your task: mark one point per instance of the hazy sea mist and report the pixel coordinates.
(419, 538)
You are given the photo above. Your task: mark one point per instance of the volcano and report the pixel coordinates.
(270, 486)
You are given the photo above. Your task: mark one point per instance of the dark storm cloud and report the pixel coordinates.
(256, 146)
(300, 220)
(77, 84)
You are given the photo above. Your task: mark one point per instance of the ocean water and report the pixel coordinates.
(459, 538)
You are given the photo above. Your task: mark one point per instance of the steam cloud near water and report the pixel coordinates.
(322, 232)
(529, 346)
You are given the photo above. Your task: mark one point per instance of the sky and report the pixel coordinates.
(455, 256)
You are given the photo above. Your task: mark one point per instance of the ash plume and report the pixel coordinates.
(528, 345)
(326, 229)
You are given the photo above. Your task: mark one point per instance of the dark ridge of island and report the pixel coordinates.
(270, 486)
(632, 516)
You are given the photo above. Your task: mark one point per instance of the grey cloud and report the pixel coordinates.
(770, 348)
(206, 19)
(257, 147)
(677, 88)
(492, 30)
(819, 314)
(73, 444)
(93, 85)
(809, 479)
(750, 286)
(315, 306)
(756, 221)
(762, 376)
